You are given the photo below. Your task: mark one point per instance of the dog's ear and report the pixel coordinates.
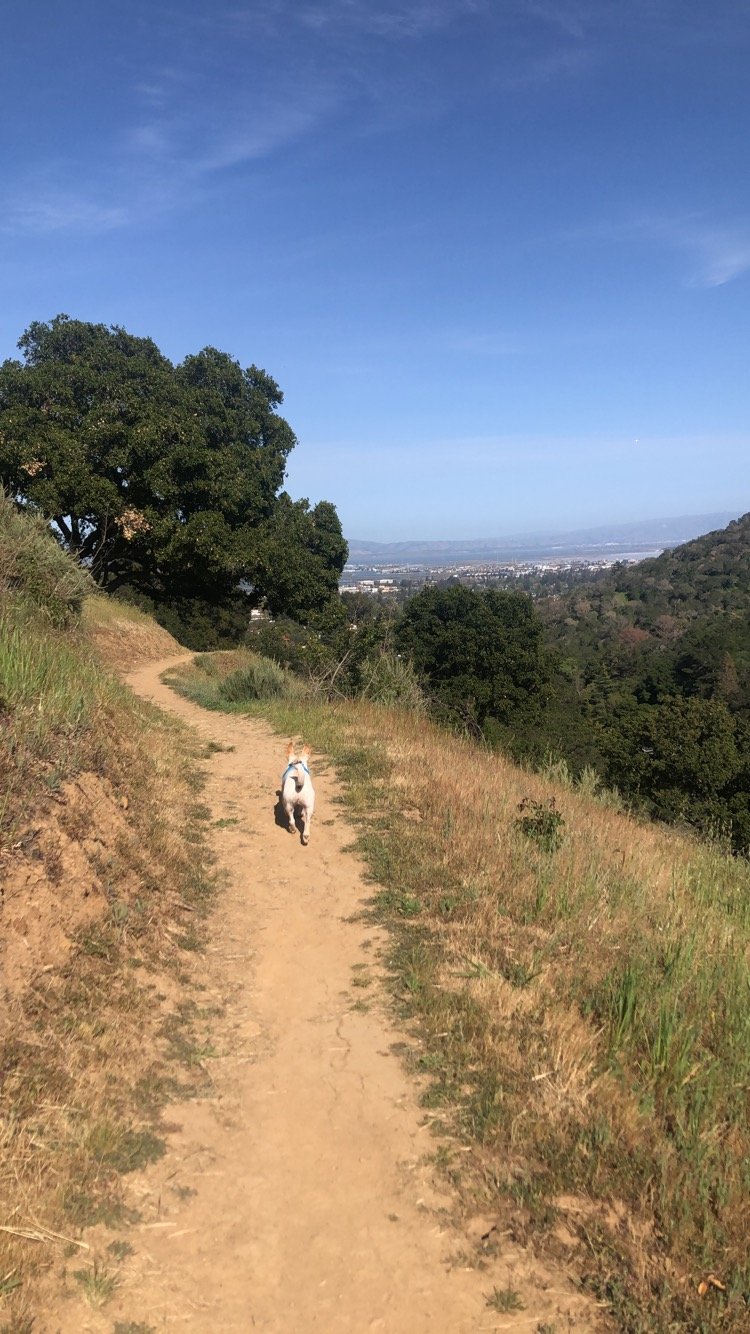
(290, 750)
(305, 753)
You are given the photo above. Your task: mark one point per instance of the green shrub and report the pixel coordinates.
(389, 678)
(541, 822)
(262, 679)
(291, 645)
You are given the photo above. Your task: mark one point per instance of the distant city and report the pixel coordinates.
(389, 568)
(389, 579)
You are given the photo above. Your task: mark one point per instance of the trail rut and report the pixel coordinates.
(298, 1197)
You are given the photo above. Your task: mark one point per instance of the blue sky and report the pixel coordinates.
(496, 252)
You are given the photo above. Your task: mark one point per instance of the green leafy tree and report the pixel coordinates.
(162, 479)
(480, 653)
(300, 558)
(687, 759)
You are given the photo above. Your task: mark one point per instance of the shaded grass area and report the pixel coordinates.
(582, 1002)
(96, 1045)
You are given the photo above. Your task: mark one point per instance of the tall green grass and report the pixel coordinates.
(57, 705)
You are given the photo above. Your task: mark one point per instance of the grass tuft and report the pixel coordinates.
(98, 1283)
(504, 1300)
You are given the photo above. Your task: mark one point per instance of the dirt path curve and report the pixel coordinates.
(297, 1199)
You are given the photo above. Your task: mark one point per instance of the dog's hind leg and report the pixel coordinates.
(306, 817)
(289, 812)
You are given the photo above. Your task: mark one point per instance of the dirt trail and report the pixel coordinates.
(297, 1198)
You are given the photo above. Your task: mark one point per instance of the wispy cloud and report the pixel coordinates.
(717, 253)
(49, 205)
(399, 18)
(714, 251)
(184, 135)
(390, 19)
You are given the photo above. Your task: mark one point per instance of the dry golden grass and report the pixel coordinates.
(123, 636)
(584, 1010)
(103, 1029)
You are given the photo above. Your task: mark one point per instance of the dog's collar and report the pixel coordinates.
(299, 764)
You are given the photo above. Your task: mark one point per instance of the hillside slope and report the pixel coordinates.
(707, 576)
(655, 660)
(100, 895)
(575, 985)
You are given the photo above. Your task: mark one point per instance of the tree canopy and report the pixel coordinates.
(164, 479)
(658, 655)
(481, 653)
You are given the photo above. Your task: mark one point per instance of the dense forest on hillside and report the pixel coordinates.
(658, 657)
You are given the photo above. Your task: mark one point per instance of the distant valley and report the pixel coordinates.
(643, 538)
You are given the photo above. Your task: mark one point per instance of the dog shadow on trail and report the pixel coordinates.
(279, 815)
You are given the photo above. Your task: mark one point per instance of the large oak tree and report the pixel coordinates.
(164, 479)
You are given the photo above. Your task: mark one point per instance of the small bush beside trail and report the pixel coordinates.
(262, 679)
(235, 680)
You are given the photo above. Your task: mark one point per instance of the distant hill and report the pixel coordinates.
(654, 676)
(708, 575)
(646, 535)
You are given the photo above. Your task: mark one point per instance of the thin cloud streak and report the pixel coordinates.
(392, 20)
(164, 163)
(724, 255)
(716, 252)
(188, 128)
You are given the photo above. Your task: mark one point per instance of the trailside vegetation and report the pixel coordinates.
(163, 480)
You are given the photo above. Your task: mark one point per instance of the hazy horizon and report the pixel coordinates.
(719, 517)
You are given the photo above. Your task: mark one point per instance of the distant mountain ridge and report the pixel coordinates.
(710, 574)
(643, 535)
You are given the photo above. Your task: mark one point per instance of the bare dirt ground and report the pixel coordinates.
(299, 1196)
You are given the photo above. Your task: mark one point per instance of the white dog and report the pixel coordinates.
(297, 789)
